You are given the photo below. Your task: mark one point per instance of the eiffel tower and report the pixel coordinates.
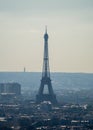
(46, 80)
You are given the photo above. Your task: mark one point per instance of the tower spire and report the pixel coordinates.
(46, 29)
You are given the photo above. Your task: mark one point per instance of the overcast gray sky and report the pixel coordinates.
(70, 29)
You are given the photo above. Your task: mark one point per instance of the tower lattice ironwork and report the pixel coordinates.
(46, 80)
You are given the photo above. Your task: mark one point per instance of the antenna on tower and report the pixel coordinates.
(46, 29)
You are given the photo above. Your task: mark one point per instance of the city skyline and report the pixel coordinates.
(70, 29)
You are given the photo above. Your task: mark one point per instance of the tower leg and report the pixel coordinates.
(46, 97)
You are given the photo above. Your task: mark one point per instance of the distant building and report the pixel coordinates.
(1, 88)
(24, 69)
(10, 88)
(46, 106)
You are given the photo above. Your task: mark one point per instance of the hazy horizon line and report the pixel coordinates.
(41, 72)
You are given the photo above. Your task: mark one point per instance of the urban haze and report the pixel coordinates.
(46, 65)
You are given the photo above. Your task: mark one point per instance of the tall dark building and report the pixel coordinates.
(46, 81)
(8, 88)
